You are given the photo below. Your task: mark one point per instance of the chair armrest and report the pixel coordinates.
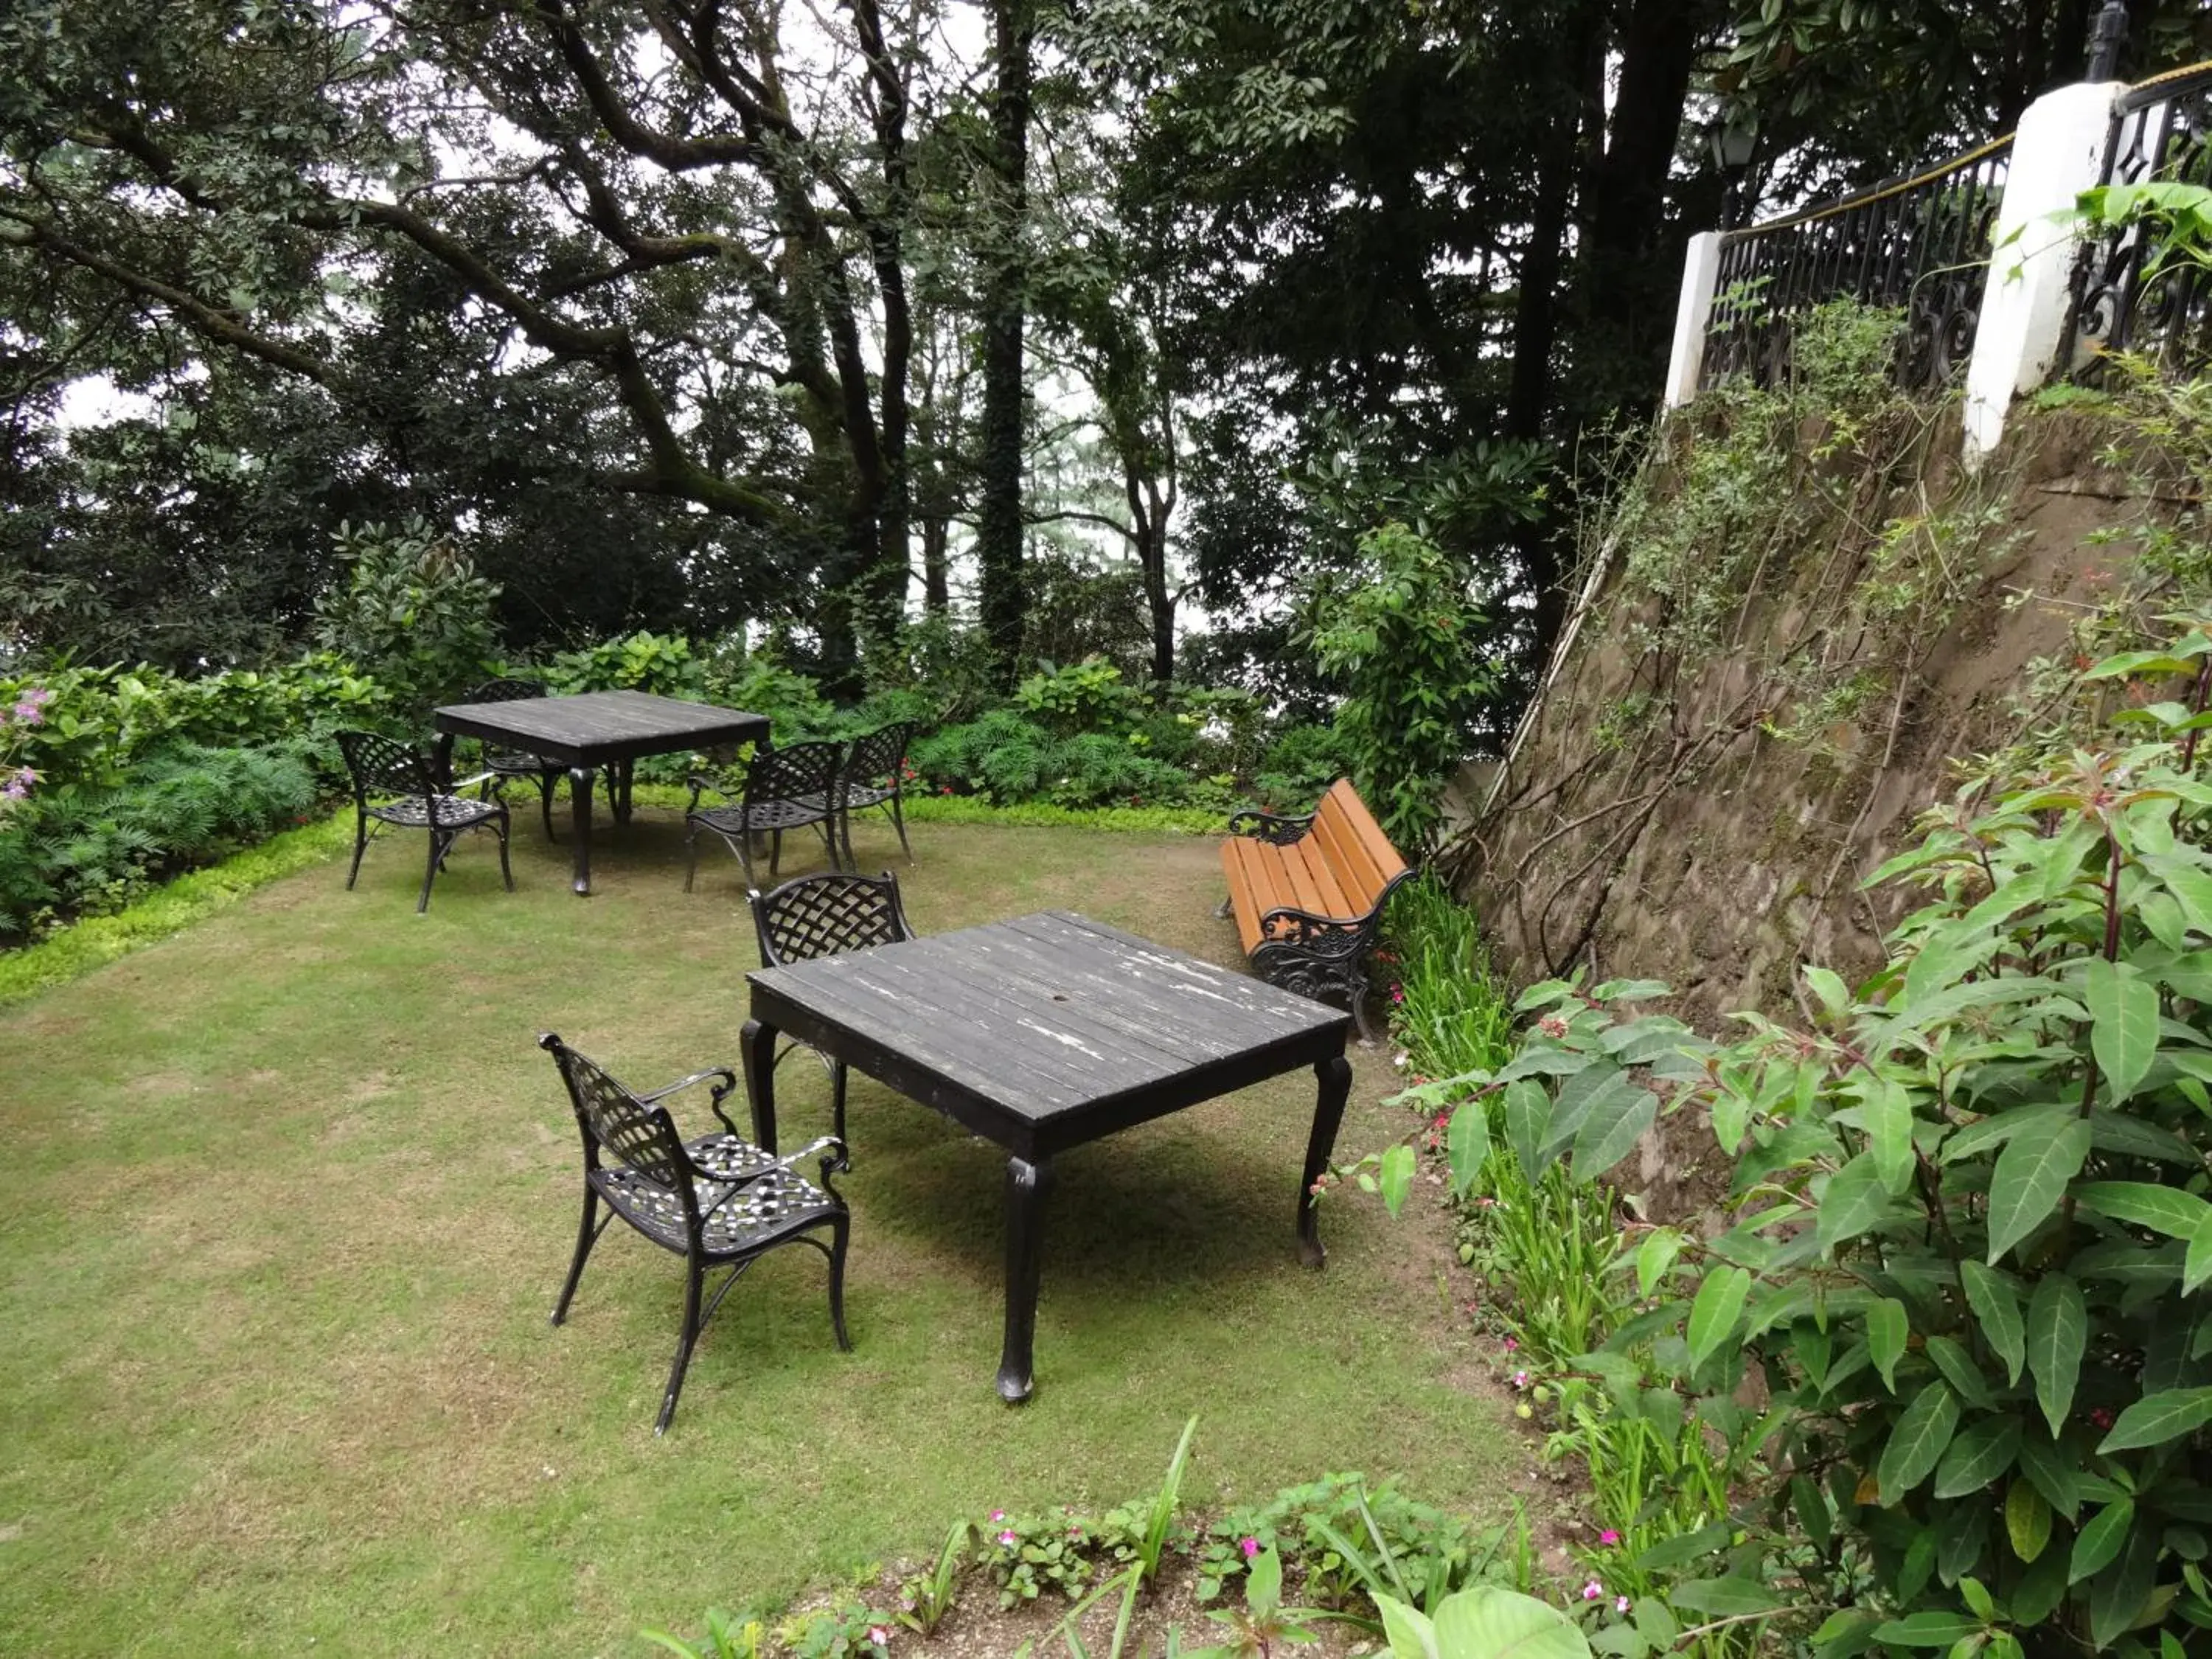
(471, 783)
(729, 1083)
(1270, 826)
(700, 784)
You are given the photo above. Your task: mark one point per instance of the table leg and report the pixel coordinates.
(1335, 1074)
(757, 1044)
(1027, 1186)
(618, 786)
(580, 779)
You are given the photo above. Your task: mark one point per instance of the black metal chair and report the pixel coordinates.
(784, 789)
(394, 783)
(717, 1202)
(874, 775)
(504, 764)
(811, 916)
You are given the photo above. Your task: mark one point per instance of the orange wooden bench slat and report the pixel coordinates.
(1355, 869)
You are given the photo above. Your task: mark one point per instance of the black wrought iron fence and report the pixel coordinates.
(1921, 243)
(2125, 297)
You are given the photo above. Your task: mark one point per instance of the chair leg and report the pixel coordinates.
(692, 1275)
(586, 1236)
(437, 857)
(774, 853)
(840, 1226)
(744, 846)
(837, 1113)
(1356, 990)
(829, 828)
(360, 845)
(898, 822)
(691, 852)
(506, 870)
(546, 780)
(845, 828)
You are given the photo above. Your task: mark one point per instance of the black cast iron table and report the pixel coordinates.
(592, 730)
(1043, 1034)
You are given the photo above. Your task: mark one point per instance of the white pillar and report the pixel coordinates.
(1701, 271)
(2057, 154)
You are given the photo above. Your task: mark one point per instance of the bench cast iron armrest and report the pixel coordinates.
(1285, 925)
(1270, 826)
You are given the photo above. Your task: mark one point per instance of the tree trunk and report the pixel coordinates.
(999, 512)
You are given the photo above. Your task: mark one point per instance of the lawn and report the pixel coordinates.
(291, 1196)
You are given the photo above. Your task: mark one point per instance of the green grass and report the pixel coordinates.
(291, 1192)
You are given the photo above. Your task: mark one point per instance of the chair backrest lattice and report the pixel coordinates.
(793, 774)
(877, 760)
(383, 766)
(506, 688)
(824, 915)
(641, 1138)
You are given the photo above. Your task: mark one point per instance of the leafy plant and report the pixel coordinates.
(414, 613)
(726, 1638)
(1398, 636)
(1484, 1622)
(1084, 696)
(662, 664)
(1973, 1217)
(926, 1597)
(1263, 1624)
(845, 1632)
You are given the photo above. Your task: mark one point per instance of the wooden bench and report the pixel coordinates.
(1308, 895)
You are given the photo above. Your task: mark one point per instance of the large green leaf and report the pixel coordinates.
(1616, 1121)
(1717, 1311)
(2166, 1210)
(1978, 1457)
(1929, 1630)
(1396, 1177)
(1960, 1370)
(1595, 1084)
(2161, 1418)
(1467, 1143)
(2100, 1539)
(1990, 1296)
(2121, 1592)
(1485, 1621)
(1731, 1597)
(2196, 1265)
(2051, 1469)
(1888, 1118)
(2123, 1024)
(1887, 1329)
(2031, 1177)
(2027, 1520)
(1855, 1199)
(2058, 1332)
(1924, 1430)
(1528, 1108)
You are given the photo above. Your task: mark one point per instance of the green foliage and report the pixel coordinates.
(664, 664)
(726, 1638)
(926, 1597)
(1084, 696)
(1484, 1622)
(1971, 1219)
(1300, 763)
(87, 849)
(413, 613)
(1263, 1624)
(847, 1631)
(1401, 636)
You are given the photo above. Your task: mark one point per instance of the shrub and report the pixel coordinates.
(88, 849)
(414, 614)
(1299, 764)
(1001, 755)
(1971, 1222)
(1401, 639)
(662, 664)
(1083, 697)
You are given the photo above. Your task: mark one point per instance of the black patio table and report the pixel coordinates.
(592, 730)
(1041, 1034)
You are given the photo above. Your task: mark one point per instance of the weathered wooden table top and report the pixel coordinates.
(601, 725)
(1052, 1017)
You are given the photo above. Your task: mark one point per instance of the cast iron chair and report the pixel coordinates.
(717, 1202)
(874, 775)
(396, 784)
(811, 916)
(505, 763)
(784, 789)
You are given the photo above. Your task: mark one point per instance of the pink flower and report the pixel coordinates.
(2102, 1417)
(1513, 1344)
(1592, 1590)
(1397, 993)
(1609, 1537)
(1520, 1379)
(1249, 1546)
(1315, 1189)
(879, 1635)
(1552, 1026)
(1620, 1604)
(1006, 1539)
(998, 1515)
